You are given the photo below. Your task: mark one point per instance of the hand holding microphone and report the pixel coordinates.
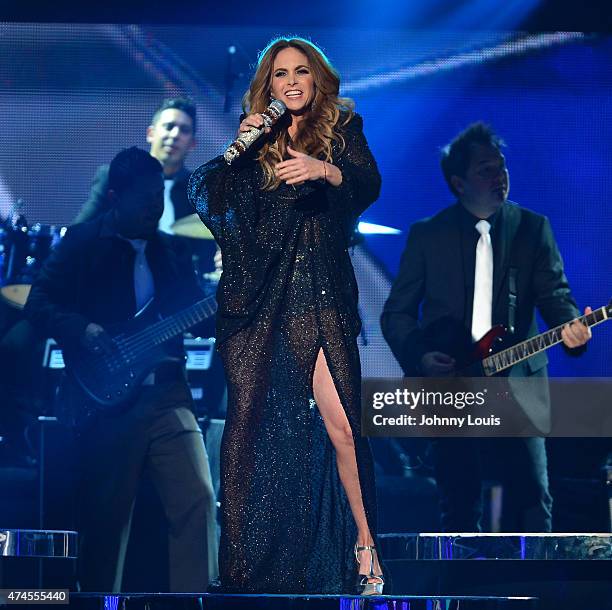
(252, 120)
(252, 128)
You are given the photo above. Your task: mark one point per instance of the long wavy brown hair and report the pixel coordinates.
(321, 125)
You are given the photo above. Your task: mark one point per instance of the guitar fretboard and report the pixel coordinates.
(521, 351)
(170, 327)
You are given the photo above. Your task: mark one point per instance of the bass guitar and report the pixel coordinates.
(113, 376)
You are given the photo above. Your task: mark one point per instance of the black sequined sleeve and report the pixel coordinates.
(223, 198)
(361, 180)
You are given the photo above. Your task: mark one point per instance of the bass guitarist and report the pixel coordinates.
(103, 272)
(481, 262)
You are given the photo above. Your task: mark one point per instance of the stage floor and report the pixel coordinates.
(429, 571)
(160, 601)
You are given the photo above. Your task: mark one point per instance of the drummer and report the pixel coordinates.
(171, 137)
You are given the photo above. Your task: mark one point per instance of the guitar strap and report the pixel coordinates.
(512, 290)
(512, 279)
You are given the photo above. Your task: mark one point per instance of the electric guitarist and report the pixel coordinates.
(481, 262)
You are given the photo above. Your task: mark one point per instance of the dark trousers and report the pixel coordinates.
(519, 464)
(159, 434)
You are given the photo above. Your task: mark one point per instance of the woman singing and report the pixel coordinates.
(298, 497)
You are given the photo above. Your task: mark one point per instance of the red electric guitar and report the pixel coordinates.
(484, 360)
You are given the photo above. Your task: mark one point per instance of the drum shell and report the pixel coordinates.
(23, 252)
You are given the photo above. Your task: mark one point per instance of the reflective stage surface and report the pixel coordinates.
(38, 543)
(540, 547)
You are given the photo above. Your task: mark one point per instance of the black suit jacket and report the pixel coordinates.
(89, 277)
(98, 203)
(431, 285)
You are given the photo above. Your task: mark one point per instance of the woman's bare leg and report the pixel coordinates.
(341, 436)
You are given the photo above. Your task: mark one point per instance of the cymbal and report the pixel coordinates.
(191, 226)
(16, 295)
(368, 228)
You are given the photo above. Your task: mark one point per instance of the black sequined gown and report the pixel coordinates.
(287, 290)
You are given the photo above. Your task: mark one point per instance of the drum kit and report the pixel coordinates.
(24, 249)
(193, 227)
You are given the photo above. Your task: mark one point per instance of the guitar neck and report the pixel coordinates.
(530, 347)
(174, 325)
(181, 321)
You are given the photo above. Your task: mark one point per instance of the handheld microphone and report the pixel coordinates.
(245, 140)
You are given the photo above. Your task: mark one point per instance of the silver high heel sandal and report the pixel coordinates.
(364, 587)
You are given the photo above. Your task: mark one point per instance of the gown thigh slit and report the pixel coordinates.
(334, 417)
